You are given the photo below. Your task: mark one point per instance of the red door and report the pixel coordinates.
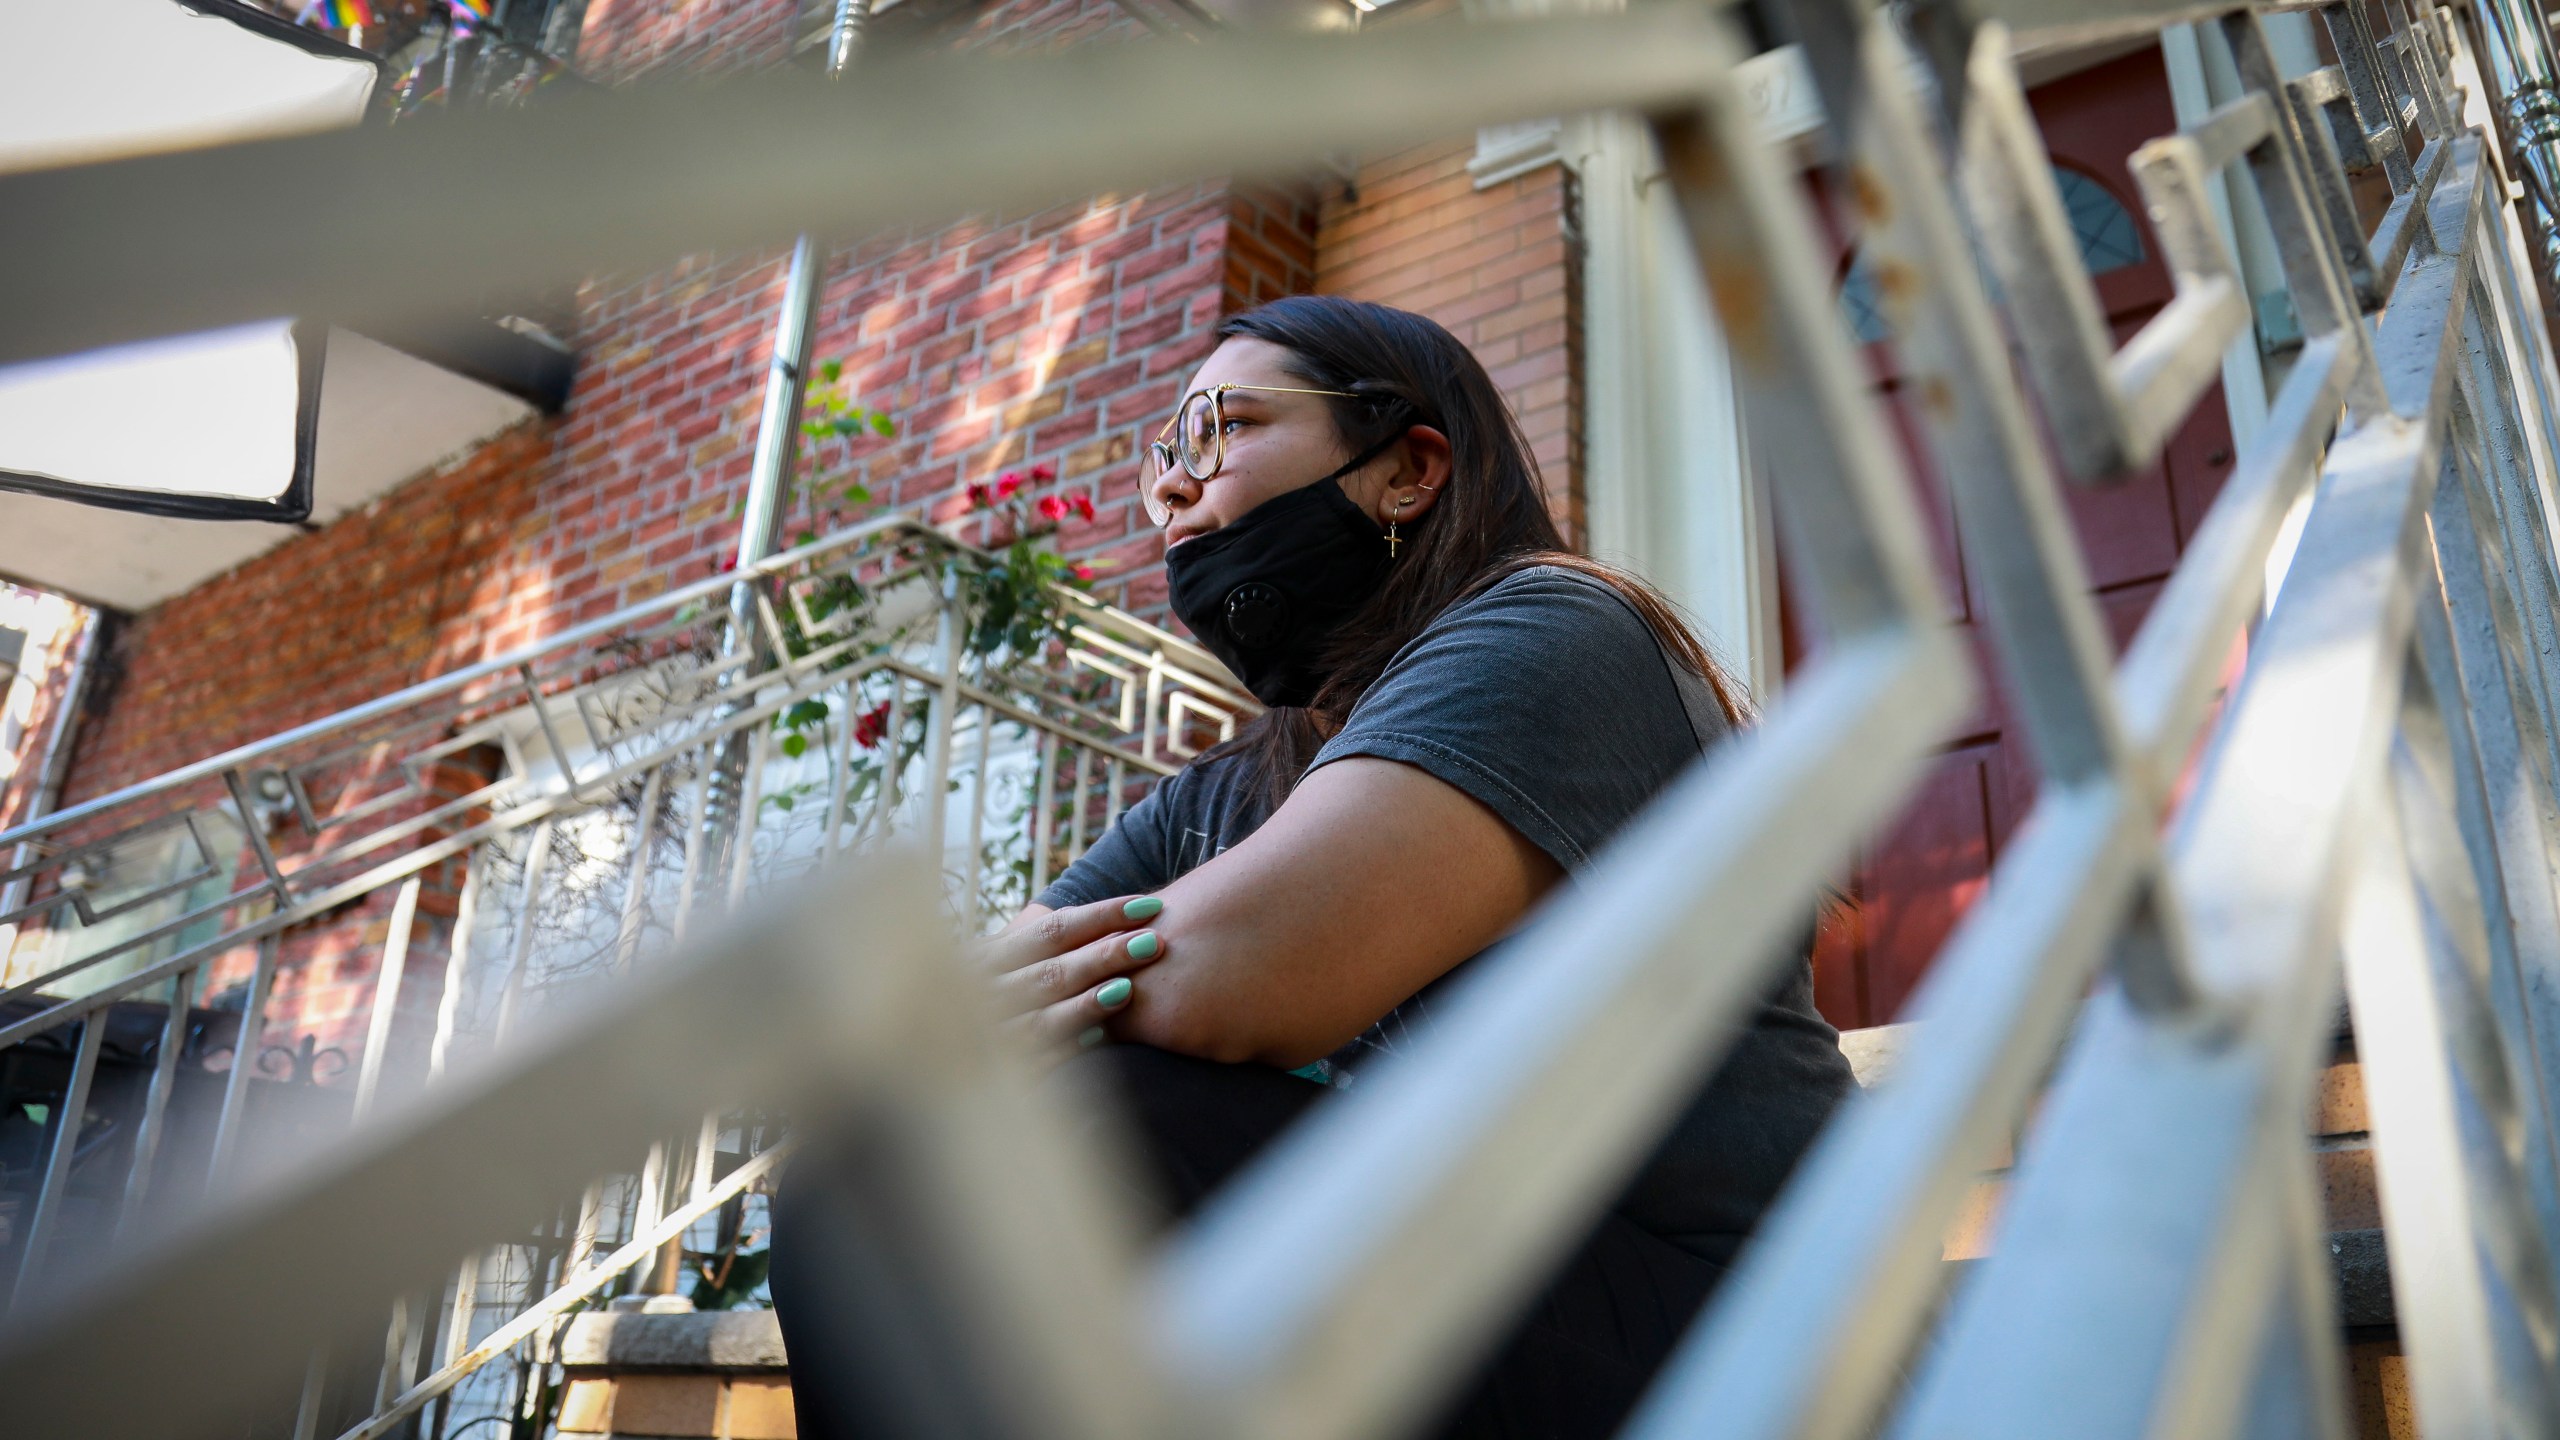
(1908, 888)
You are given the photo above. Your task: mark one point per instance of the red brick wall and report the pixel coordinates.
(398, 591)
(1060, 339)
(1271, 244)
(627, 39)
(1496, 266)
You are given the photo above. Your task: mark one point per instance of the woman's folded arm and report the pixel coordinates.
(1373, 879)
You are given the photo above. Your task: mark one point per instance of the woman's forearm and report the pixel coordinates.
(1373, 880)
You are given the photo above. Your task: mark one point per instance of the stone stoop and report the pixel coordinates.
(712, 1376)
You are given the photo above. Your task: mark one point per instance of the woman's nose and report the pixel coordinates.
(1173, 488)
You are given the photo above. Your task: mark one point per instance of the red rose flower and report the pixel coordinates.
(1007, 483)
(1052, 508)
(871, 725)
(1083, 505)
(979, 496)
(1044, 473)
(1081, 570)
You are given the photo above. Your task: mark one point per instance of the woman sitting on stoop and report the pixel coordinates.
(1462, 714)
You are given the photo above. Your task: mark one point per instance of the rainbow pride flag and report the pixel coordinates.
(337, 14)
(476, 11)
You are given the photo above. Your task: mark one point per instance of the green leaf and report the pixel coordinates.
(782, 802)
(794, 746)
(857, 494)
(831, 371)
(882, 424)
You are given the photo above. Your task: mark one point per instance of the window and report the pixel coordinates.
(2109, 240)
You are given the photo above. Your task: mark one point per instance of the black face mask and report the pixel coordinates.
(1265, 593)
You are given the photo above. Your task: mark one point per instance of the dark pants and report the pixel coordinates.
(1573, 1368)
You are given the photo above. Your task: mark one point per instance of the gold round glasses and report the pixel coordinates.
(1196, 439)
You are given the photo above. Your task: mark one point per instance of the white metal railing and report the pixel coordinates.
(618, 784)
(2383, 785)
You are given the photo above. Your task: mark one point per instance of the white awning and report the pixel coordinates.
(216, 425)
(111, 461)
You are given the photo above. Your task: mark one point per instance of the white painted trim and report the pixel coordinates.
(2193, 94)
(1668, 490)
(2201, 77)
(1507, 152)
(1667, 483)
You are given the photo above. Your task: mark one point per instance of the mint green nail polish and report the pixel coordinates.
(1090, 1038)
(1144, 945)
(1115, 994)
(1145, 907)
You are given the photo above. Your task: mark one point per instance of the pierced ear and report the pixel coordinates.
(1427, 457)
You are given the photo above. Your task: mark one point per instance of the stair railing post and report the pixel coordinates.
(2516, 45)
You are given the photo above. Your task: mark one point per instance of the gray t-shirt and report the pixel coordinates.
(1548, 699)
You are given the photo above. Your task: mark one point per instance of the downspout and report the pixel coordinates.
(777, 445)
(759, 535)
(787, 377)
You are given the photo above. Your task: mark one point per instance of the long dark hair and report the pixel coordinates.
(1491, 520)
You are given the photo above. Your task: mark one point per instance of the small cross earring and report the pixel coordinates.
(1393, 539)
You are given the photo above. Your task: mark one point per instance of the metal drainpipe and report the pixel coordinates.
(2516, 41)
(55, 768)
(777, 444)
(760, 533)
(795, 333)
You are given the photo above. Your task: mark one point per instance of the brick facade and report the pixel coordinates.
(631, 39)
(1497, 265)
(408, 587)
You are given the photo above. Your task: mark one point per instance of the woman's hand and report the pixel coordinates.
(1059, 974)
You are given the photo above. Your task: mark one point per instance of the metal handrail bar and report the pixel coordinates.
(213, 767)
(1873, 1199)
(1201, 676)
(1857, 1248)
(282, 874)
(1113, 620)
(583, 1281)
(1337, 1285)
(493, 1154)
(355, 888)
(1009, 140)
(546, 807)
(2262, 850)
